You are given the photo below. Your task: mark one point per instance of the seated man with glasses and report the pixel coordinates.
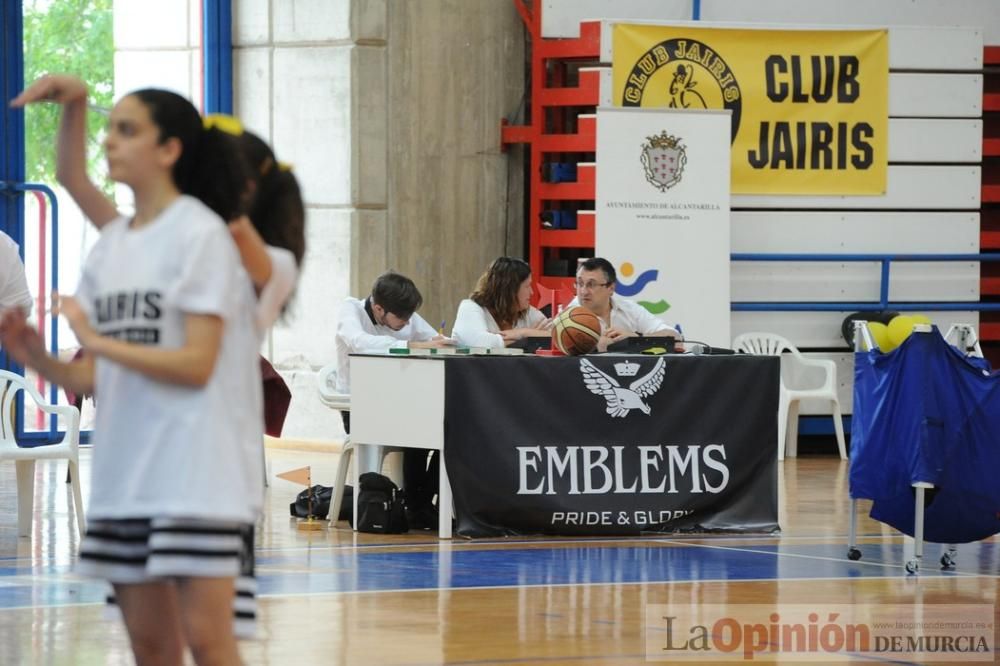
(619, 317)
(387, 319)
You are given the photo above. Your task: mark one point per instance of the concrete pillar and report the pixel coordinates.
(389, 112)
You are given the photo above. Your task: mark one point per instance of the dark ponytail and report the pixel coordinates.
(276, 208)
(210, 167)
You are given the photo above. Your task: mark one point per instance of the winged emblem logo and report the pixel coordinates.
(622, 400)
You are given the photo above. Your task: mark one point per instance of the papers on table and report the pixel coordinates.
(458, 351)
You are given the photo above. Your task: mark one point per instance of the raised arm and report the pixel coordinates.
(272, 270)
(252, 249)
(71, 153)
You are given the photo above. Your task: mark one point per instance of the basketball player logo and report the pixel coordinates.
(682, 90)
(663, 159)
(622, 400)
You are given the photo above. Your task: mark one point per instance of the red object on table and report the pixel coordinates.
(548, 352)
(277, 397)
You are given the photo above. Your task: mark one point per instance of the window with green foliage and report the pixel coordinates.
(74, 37)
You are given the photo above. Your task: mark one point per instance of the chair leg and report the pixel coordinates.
(782, 426)
(369, 459)
(74, 474)
(382, 453)
(25, 495)
(792, 445)
(395, 469)
(341, 480)
(445, 508)
(266, 466)
(838, 427)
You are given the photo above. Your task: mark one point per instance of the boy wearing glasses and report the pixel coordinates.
(619, 317)
(387, 319)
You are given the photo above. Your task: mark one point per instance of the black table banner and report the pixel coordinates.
(612, 445)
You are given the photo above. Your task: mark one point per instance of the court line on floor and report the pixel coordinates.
(479, 543)
(728, 581)
(439, 589)
(778, 553)
(34, 560)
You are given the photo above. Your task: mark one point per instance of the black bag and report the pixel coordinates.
(381, 505)
(322, 497)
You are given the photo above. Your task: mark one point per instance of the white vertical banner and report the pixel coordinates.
(663, 213)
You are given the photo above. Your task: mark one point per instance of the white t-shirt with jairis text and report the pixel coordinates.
(163, 449)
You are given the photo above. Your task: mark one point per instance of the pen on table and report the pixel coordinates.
(441, 327)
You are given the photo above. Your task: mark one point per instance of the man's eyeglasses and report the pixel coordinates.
(590, 286)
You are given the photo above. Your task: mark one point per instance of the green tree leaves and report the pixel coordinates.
(73, 37)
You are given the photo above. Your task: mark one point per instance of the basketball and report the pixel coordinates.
(576, 331)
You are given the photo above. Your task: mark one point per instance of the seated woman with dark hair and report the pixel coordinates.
(499, 311)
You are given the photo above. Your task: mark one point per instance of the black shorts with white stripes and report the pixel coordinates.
(139, 550)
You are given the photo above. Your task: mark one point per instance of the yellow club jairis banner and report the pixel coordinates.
(809, 107)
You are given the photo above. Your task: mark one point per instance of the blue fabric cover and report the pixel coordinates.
(925, 412)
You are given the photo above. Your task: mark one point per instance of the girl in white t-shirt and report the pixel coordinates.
(499, 311)
(271, 243)
(161, 311)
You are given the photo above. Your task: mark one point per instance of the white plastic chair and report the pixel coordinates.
(771, 344)
(326, 381)
(24, 457)
(963, 336)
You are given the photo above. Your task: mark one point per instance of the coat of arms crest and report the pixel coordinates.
(663, 159)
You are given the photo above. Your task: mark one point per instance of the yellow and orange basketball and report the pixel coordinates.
(576, 331)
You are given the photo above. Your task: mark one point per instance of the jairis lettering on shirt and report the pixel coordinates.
(128, 306)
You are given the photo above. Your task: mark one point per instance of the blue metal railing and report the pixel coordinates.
(882, 304)
(813, 425)
(53, 431)
(218, 55)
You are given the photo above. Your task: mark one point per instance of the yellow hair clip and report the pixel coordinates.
(269, 164)
(223, 123)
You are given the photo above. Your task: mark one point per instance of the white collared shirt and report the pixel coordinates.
(629, 316)
(476, 327)
(356, 332)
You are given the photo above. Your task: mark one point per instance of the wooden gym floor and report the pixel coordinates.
(334, 597)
